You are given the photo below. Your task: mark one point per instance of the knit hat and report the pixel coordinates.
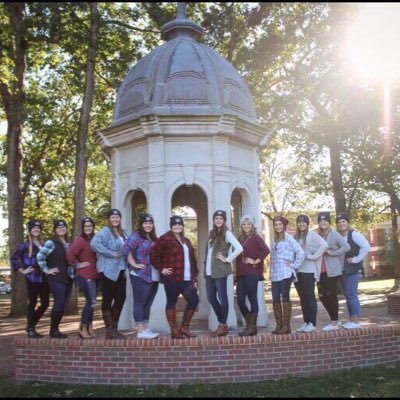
(248, 218)
(145, 217)
(342, 216)
(284, 221)
(58, 222)
(176, 220)
(114, 211)
(220, 213)
(324, 216)
(303, 218)
(86, 219)
(33, 224)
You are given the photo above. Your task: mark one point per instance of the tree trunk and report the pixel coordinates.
(337, 179)
(395, 238)
(13, 98)
(81, 148)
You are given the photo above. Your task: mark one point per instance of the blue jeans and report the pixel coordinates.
(89, 290)
(174, 288)
(281, 289)
(220, 304)
(143, 296)
(350, 286)
(247, 286)
(305, 287)
(61, 292)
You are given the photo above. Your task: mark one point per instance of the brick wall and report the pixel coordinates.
(203, 359)
(393, 301)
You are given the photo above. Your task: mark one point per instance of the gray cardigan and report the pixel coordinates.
(334, 255)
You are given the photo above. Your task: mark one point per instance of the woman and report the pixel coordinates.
(23, 259)
(359, 248)
(52, 260)
(249, 271)
(286, 258)
(143, 276)
(218, 267)
(309, 271)
(331, 268)
(82, 256)
(107, 244)
(173, 255)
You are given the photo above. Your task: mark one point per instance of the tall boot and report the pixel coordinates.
(287, 313)
(109, 324)
(187, 317)
(171, 318)
(247, 321)
(115, 317)
(251, 328)
(84, 332)
(278, 317)
(55, 320)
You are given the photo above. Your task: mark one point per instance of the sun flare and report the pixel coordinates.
(373, 41)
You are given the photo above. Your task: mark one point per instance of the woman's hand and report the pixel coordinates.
(117, 254)
(250, 261)
(27, 270)
(53, 271)
(220, 257)
(139, 266)
(82, 264)
(166, 271)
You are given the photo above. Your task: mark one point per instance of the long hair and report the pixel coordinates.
(30, 241)
(301, 236)
(152, 234)
(181, 235)
(87, 237)
(243, 236)
(56, 237)
(217, 236)
(119, 229)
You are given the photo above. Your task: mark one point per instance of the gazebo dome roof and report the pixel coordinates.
(183, 77)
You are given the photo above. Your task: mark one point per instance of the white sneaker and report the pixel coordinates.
(351, 325)
(301, 328)
(148, 330)
(146, 335)
(330, 327)
(309, 328)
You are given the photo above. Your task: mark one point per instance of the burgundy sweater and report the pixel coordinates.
(80, 251)
(253, 247)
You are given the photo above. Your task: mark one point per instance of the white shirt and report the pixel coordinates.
(229, 238)
(186, 270)
(360, 241)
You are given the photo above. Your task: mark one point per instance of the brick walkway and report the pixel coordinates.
(374, 311)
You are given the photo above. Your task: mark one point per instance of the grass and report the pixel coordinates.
(381, 286)
(379, 381)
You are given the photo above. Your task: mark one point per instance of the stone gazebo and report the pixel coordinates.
(184, 133)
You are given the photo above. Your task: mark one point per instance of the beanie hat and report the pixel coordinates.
(303, 218)
(86, 219)
(284, 221)
(145, 217)
(220, 213)
(176, 220)
(58, 222)
(324, 216)
(342, 216)
(34, 223)
(248, 218)
(114, 211)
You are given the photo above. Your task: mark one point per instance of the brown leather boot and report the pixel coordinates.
(278, 317)
(287, 313)
(115, 317)
(247, 320)
(91, 331)
(83, 332)
(222, 330)
(110, 326)
(171, 318)
(251, 328)
(187, 317)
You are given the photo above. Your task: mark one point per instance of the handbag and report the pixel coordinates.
(350, 268)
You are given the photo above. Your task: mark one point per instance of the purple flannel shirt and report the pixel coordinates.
(139, 248)
(20, 259)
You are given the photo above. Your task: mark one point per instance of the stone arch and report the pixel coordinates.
(240, 205)
(135, 203)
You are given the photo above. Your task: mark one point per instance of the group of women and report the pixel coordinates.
(324, 256)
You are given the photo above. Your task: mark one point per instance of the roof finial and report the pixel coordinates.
(181, 14)
(181, 26)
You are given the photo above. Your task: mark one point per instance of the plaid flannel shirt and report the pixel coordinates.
(20, 259)
(167, 252)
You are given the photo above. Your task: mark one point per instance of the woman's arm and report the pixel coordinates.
(364, 245)
(299, 252)
(322, 246)
(44, 252)
(342, 243)
(98, 244)
(237, 247)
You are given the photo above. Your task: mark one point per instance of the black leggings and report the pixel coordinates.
(36, 290)
(113, 292)
(305, 289)
(327, 292)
